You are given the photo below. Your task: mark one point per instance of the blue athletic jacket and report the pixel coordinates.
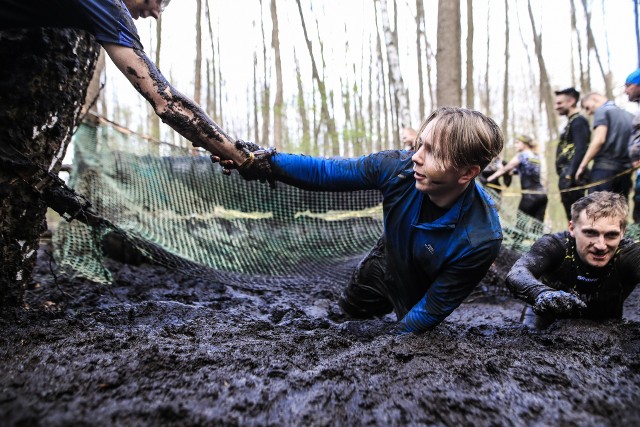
(432, 267)
(108, 20)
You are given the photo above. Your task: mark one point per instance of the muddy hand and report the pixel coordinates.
(558, 303)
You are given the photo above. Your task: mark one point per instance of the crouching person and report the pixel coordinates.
(587, 271)
(441, 229)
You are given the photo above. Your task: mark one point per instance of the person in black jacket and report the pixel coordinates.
(573, 144)
(587, 271)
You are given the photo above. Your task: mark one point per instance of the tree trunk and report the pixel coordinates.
(305, 144)
(470, 85)
(43, 84)
(278, 104)
(153, 117)
(266, 89)
(420, 31)
(448, 56)
(505, 87)
(396, 83)
(197, 78)
(545, 86)
(487, 89)
(325, 116)
(591, 43)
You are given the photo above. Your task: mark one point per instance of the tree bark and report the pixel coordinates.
(197, 78)
(505, 86)
(43, 83)
(397, 84)
(448, 56)
(278, 104)
(545, 86)
(420, 31)
(470, 92)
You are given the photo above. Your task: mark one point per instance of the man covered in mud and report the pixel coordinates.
(587, 271)
(111, 23)
(441, 229)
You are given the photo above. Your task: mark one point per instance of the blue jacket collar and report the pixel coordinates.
(453, 215)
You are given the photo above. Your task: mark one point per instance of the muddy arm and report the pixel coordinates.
(175, 109)
(523, 278)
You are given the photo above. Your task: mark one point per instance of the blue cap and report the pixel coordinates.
(634, 78)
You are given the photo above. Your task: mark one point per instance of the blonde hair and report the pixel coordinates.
(602, 204)
(461, 137)
(528, 141)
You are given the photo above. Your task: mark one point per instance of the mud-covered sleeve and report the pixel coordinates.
(330, 174)
(581, 134)
(450, 288)
(545, 256)
(629, 268)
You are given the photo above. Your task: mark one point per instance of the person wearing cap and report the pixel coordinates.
(527, 164)
(111, 23)
(572, 146)
(587, 271)
(632, 89)
(609, 147)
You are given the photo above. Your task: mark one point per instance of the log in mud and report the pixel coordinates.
(161, 348)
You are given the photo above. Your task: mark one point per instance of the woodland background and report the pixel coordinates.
(343, 77)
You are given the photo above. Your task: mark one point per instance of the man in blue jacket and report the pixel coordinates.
(441, 229)
(111, 23)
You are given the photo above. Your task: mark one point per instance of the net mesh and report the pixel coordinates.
(172, 206)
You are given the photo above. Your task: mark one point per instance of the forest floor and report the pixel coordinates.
(160, 348)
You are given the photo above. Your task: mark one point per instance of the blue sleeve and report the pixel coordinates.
(335, 174)
(110, 22)
(450, 289)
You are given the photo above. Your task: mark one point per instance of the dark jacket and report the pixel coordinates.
(553, 264)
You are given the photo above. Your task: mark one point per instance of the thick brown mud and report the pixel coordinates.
(161, 348)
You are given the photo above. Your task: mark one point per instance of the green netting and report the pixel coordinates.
(177, 209)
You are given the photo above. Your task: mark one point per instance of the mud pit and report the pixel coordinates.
(159, 348)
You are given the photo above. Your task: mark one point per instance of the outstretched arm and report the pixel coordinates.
(513, 163)
(174, 108)
(523, 278)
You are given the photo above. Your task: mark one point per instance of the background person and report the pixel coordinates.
(609, 147)
(572, 147)
(632, 89)
(441, 229)
(527, 164)
(587, 271)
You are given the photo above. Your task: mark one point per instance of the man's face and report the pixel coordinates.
(589, 106)
(564, 104)
(431, 178)
(633, 92)
(596, 241)
(144, 8)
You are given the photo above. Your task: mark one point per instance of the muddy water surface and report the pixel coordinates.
(160, 348)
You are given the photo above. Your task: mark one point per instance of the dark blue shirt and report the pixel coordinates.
(432, 266)
(108, 20)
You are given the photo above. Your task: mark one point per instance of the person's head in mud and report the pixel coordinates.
(452, 147)
(567, 101)
(598, 222)
(587, 271)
